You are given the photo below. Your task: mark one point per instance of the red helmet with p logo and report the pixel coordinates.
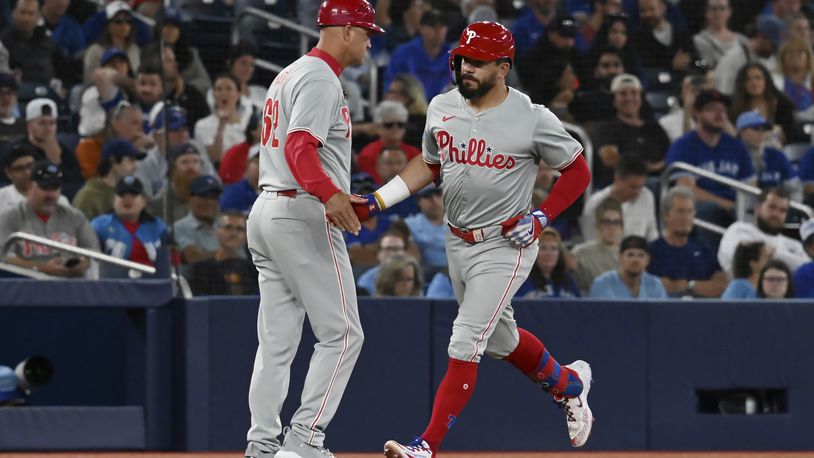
(486, 41)
(358, 13)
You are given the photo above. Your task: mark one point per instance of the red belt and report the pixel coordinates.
(292, 193)
(470, 236)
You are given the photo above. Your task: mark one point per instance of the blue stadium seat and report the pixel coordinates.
(660, 101)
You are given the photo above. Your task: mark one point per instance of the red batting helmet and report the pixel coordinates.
(485, 41)
(357, 13)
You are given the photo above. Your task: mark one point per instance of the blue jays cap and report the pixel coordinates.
(129, 185)
(205, 185)
(174, 16)
(177, 118)
(112, 53)
(120, 148)
(751, 120)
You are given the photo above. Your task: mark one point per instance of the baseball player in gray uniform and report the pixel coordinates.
(295, 237)
(486, 141)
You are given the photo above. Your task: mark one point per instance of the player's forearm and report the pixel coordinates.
(415, 176)
(303, 160)
(573, 181)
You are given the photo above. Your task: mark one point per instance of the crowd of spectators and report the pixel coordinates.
(118, 134)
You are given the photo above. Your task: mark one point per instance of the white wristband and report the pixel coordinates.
(392, 193)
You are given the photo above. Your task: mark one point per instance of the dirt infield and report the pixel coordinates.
(574, 454)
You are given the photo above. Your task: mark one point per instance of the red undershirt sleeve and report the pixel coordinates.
(573, 181)
(303, 160)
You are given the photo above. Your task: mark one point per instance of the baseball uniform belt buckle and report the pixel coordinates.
(470, 236)
(291, 193)
(477, 235)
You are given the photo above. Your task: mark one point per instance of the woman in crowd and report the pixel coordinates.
(797, 67)
(400, 276)
(775, 281)
(226, 126)
(755, 91)
(119, 33)
(234, 160)
(549, 276)
(174, 35)
(410, 92)
(747, 263)
(615, 34)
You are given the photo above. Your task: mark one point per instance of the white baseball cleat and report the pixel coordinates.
(418, 448)
(577, 413)
(294, 447)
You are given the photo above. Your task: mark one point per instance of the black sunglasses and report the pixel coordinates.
(392, 124)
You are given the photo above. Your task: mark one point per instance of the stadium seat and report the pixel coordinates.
(660, 101)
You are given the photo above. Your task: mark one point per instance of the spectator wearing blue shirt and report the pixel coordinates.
(240, 196)
(709, 148)
(549, 276)
(425, 57)
(630, 281)
(772, 167)
(685, 266)
(66, 31)
(391, 244)
(362, 248)
(129, 232)
(747, 263)
(429, 230)
(531, 25)
(440, 287)
(804, 275)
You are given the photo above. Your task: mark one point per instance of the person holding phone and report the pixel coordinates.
(43, 215)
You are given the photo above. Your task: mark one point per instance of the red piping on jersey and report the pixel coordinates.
(435, 169)
(329, 59)
(573, 181)
(303, 160)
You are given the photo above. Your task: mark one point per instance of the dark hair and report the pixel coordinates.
(227, 76)
(609, 204)
(606, 50)
(254, 122)
(601, 39)
(745, 254)
(182, 48)
(107, 41)
(779, 191)
(231, 213)
(549, 84)
(779, 265)
(238, 50)
(631, 165)
(151, 66)
(741, 99)
(105, 165)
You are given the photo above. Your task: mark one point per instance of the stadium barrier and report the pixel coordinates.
(175, 374)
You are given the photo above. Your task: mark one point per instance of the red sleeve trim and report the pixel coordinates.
(303, 160)
(434, 168)
(573, 181)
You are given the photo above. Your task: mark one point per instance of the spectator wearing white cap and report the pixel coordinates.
(804, 275)
(119, 32)
(771, 165)
(41, 124)
(628, 134)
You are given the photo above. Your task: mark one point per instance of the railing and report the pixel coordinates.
(96, 256)
(739, 187)
(305, 34)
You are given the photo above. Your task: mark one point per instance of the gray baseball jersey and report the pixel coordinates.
(67, 225)
(306, 96)
(489, 160)
(302, 260)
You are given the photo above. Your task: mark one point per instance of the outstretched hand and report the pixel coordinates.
(340, 211)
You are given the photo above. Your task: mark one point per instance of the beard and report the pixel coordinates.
(476, 93)
(633, 274)
(767, 228)
(709, 128)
